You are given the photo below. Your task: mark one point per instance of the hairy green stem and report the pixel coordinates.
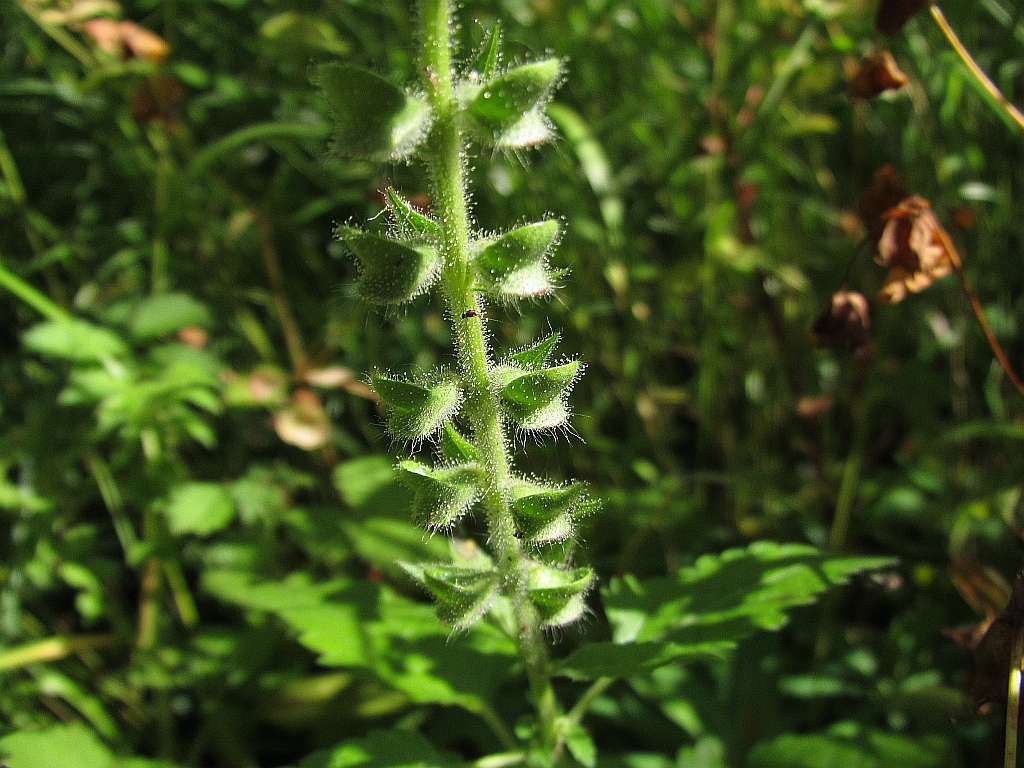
(446, 163)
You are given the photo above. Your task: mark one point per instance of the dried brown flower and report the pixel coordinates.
(115, 37)
(846, 324)
(876, 74)
(913, 245)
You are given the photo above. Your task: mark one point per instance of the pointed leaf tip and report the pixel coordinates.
(544, 514)
(515, 265)
(414, 410)
(536, 400)
(536, 356)
(558, 595)
(373, 118)
(488, 59)
(463, 594)
(443, 495)
(390, 272)
(456, 448)
(508, 109)
(411, 221)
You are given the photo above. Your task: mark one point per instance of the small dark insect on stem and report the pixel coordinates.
(470, 313)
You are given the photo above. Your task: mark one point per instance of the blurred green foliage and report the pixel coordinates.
(198, 500)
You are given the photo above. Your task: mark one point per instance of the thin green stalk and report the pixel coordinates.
(575, 715)
(52, 649)
(31, 296)
(977, 72)
(250, 134)
(446, 163)
(60, 36)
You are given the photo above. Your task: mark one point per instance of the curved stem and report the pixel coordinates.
(972, 66)
(997, 350)
(446, 164)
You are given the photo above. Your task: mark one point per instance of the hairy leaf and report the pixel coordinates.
(373, 118)
(390, 272)
(441, 496)
(509, 103)
(416, 411)
(515, 265)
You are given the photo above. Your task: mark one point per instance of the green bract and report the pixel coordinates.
(515, 265)
(557, 594)
(543, 514)
(487, 60)
(463, 594)
(409, 221)
(536, 400)
(536, 356)
(390, 272)
(374, 119)
(415, 411)
(441, 496)
(507, 111)
(456, 448)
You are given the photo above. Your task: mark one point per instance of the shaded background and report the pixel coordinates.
(179, 193)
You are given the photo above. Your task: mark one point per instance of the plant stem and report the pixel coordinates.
(972, 297)
(289, 326)
(31, 296)
(446, 164)
(972, 66)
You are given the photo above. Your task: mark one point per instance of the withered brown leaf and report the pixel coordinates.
(913, 245)
(876, 74)
(893, 14)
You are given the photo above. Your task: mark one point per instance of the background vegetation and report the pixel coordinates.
(205, 415)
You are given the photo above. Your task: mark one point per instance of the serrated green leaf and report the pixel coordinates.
(581, 746)
(76, 340)
(199, 508)
(415, 411)
(607, 659)
(515, 265)
(359, 479)
(373, 118)
(508, 98)
(729, 596)
(441, 496)
(410, 221)
(536, 356)
(390, 272)
(165, 313)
